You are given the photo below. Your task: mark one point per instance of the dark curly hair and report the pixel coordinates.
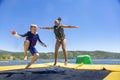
(59, 19)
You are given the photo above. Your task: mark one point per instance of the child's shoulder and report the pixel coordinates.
(28, 32)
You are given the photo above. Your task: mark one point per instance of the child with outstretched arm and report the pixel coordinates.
(60, 38)
(31, 39)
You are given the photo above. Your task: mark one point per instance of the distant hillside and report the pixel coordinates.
(6, 55)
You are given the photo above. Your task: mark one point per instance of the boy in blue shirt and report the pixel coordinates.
(31, 39)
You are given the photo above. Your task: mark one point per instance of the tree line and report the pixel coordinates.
(4, 55)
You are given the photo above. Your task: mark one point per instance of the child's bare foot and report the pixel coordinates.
(65, 63)
(54, 64)
(25, 57)
(28, 65)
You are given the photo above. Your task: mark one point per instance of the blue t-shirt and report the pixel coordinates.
(33, 38)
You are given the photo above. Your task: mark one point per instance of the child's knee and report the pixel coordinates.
(27, 41)
(36, 54)
(63, 48)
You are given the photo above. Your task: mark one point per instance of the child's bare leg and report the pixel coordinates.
(26, 45)
(35, 57)
(64, 51)
(57, 45)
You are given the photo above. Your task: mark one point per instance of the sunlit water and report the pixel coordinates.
(94, 61)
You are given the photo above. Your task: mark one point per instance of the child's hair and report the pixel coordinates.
(33, 25)
(59, 19)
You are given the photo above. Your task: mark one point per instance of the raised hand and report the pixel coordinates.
(13, 32)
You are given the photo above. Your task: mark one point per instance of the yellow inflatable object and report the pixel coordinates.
(114, 69)
(113, 76)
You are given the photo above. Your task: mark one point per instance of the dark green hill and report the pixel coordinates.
(6, 55)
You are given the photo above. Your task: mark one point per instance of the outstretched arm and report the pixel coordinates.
(41, 43)
(67, 26)
(14, 33)
(47, 28)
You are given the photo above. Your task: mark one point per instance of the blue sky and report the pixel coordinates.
(98, 21)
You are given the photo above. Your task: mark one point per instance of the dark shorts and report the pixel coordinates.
(33, 50)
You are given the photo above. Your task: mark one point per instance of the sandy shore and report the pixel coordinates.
(53, 73)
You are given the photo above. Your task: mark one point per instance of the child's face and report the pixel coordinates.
(57, 22)
(33, 29)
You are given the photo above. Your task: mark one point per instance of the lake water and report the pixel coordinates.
(94, 61)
